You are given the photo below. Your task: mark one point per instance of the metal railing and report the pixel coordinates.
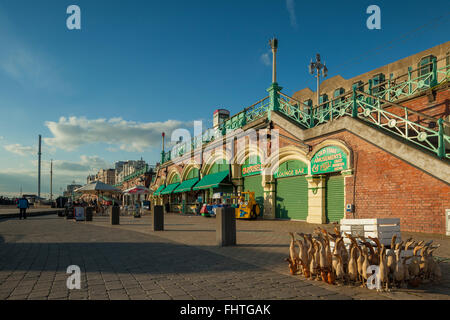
(371, 103)
(254, 112)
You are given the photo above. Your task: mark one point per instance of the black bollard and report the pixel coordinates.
(89, 213)
(115, 215)
(225, 227)
(158, 218)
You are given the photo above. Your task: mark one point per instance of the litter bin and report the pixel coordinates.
(158, 218)
(115, 215)
(89, 213)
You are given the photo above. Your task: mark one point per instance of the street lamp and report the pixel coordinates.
(273, 43)
(317, 66)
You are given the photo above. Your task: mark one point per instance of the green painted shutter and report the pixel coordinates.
(292, 198)
(254, 183)
(334, 204)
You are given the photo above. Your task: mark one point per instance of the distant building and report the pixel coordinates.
(70, 189)
(91, 178)
(126, 168)
(107, 176)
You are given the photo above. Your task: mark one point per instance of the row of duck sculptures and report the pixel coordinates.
(311, 255)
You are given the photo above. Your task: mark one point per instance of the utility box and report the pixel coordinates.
(383, 229)
(225, 226)
(158, 218)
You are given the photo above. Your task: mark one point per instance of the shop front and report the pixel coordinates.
(328, 163)
(215, 183)
(188, 196)
(291, 190)
(252, 181)
(171, 198)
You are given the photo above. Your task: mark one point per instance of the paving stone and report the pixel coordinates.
(122, 264)
(18, 297)
(160, 296)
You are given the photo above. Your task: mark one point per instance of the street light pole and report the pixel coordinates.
(274, 46)
(317, 67)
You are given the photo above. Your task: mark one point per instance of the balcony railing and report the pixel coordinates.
(371, 103)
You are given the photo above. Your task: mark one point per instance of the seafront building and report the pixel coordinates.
(373, 146)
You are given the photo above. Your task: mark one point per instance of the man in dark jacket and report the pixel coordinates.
(23, 206)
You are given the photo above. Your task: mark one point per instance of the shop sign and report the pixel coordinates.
(329, 159)
(251, 169)
(291, 172)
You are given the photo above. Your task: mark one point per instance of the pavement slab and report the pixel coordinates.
(129, 261)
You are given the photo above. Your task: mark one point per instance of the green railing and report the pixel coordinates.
(371, 103)
(136, 174)
(416, 127)
(256, 111)
(294, 109)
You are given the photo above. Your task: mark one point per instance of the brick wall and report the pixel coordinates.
(384, 186)
(438, 108)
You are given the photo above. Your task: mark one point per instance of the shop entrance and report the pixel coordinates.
(254, 183)
(334, 199)
(292, 198)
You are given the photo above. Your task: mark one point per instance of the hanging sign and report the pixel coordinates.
(329, 159)
(251, 169)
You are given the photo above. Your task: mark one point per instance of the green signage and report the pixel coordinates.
(251, 169)
(329, 159)
(291, 168)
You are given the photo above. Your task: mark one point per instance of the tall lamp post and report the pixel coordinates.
(317, 67)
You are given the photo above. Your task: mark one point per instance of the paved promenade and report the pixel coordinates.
(131, 262)
(10, 212)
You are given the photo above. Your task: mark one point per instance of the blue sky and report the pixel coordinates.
(105, 92)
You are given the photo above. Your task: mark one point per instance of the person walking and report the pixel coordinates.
(23, 206)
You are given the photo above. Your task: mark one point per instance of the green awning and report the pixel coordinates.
(158, 191)
(169, 189)
(211, 180)
(186, 185)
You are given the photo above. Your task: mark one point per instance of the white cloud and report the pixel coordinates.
(265, 58)
(20, 150)
(83, 167)
(73, 132)
(290, 5)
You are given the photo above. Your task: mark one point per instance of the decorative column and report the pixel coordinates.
(236, 176)
(316, 199)
(274, 96)
(269, 197)
(183, 202)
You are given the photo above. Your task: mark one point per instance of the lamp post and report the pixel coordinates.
(317, 66)
(274, 46)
